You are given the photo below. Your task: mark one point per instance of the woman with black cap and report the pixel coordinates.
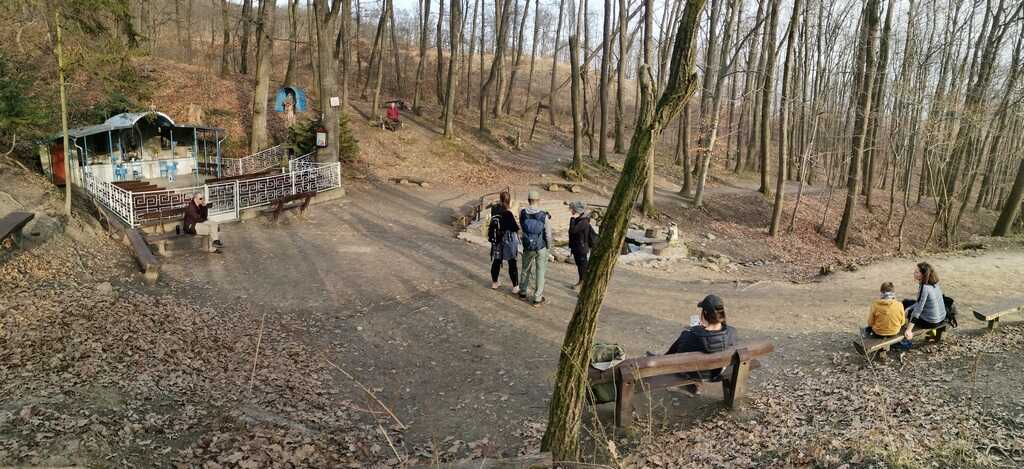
(710, 334)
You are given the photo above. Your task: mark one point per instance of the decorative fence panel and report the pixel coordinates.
(157, 206)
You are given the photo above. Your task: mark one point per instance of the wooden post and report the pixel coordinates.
(624, 400)
(737, 379)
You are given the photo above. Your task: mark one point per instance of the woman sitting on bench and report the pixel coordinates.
(929, 310)
(709, 334)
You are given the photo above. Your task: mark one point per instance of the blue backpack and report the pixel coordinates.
(534, 236)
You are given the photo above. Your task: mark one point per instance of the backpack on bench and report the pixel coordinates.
(602, 357)
(951, 312)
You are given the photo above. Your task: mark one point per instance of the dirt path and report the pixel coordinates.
(385, 289)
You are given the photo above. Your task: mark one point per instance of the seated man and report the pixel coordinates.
(393, 120)
(709, 335)
(196, 222)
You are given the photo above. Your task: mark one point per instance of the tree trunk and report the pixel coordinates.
(346, 53)
(499, 50)
(866, 68)
(293, 37)
(606, 58)
(647, 206)
(552, 97)
(533, 54)
(395, 53)
(518, 58)
(382, 25)
(565, 410)
(418, 86)
(577, 112)
(59, 49)
(243, 64)
(683, 148)
(472, 48)
(225, 61)
(455, 35)
(784, 113)
(325, 22)
(264, 63)
(620, 80)
(749, 93)
(877, 102)
(439, 75)
(766, 95)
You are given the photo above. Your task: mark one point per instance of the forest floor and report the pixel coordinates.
(367, 334)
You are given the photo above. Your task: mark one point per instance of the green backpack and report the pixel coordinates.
(605, 356)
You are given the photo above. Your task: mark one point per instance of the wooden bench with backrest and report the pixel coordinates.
(880, 345)
(288, 202)
(147, 261)
(11, 226)
(991, 314)
(645, 374)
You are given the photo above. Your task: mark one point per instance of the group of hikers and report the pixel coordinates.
(708, 331)
(533, 229)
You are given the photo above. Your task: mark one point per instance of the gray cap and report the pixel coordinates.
(577, 206)
(533, 195)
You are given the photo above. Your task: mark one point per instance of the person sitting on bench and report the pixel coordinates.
(709, 334)
(887, 316)
(929, 310)
(196, 222)
(393, 119)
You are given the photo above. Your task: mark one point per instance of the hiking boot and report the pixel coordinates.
(522, 295)
(537, 303)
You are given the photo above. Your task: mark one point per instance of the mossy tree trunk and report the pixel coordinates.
(565, 411)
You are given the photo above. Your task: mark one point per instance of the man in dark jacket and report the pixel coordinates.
(581, 239)
(197, 222)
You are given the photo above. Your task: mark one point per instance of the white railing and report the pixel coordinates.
(118, 200)
(227, 198)
(303, 162)
(254, 163)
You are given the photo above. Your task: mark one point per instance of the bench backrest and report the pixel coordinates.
(289, 198)
(643, 367)
(14, 221)
(240, 177)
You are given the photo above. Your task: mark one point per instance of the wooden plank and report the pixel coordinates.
(147, 261)
(12, 224)
(875, 344)
(693, 361)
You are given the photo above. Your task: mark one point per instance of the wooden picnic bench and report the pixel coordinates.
(645, 374)
(880, 345)
(161, 216)
(288, 202)
(11, 226)
(147, 261)
(992, 314)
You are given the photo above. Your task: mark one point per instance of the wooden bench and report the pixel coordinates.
(992, 314)
(880, 345)
(288, 202)
(11, 226)
(147, 261)
(160, 216)
(644, 374)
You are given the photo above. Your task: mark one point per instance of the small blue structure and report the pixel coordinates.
(298, 96)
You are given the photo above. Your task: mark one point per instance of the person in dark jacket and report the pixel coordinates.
(503, 233)
(581, 239)
(711, 334)
(197, 222)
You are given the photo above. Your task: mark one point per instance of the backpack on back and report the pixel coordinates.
(494, 229)
(533, 231)
(950, 311)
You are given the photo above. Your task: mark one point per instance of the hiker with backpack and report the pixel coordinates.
(536, 227)
(581, 239)
(929, 309)
(503, 233)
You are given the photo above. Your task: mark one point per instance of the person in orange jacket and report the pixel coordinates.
(887, 316)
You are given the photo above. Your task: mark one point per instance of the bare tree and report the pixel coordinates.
(455, 36)
(243, 64)
(424, 29)
(293, 39)
(264, 63)
(554, 63)
(784, 114)
(577, 117)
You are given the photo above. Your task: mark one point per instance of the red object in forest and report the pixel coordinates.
(57, 164)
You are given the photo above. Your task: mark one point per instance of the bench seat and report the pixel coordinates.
(644, 374)
(991, 314)
(289, 202)
(12, 224)
(881, 345)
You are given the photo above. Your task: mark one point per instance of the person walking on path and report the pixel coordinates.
(503, 233)
(536, 240)
(581, 239)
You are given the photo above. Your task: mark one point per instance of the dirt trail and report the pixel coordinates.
(385, 289)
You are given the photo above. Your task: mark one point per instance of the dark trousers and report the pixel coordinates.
(582, 260)
(513, 270)
(918, 322)
(869, 332)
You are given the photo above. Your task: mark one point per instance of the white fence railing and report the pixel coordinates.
(225, 198)
(254, 163)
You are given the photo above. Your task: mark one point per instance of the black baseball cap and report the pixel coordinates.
(710, 303)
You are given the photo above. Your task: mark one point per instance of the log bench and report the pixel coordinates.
(992, 314)
(11, 226)
(880, 345)
(288, 202)
(645, 374)
(147, 261)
